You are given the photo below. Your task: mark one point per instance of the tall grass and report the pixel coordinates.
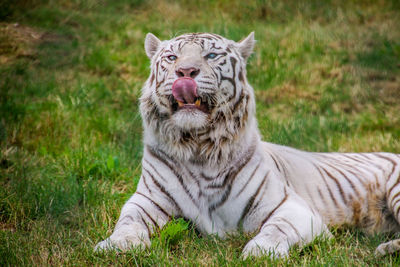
(326, 78)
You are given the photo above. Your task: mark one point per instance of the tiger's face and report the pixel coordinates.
(197, 100)
(195, 77)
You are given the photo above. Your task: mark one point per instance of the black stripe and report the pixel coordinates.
(396, 212)
(275, 161)
(152, 78)
(155, 204)
(239, 101)
(255, 206)
(148, 215)
(222, 63)
(353, 158)
(215, 47)
(145, 224)
(393, 203)
(281, 163)
(277, 227)
(366, 162)
(327, 186)
(213, 35)
(231, 176)
(322, 197)
(144, 181)
(235, 170)
(128, 223)
(193, 176)
(339, 186)
(363, 183)
(369, 160)
(386, 158)
(202, 43)
(349, 168)
(163, 190)
(208, 178)
(345, 177)
(154, 169)
(394, 165)
(293, 227)
(221, 200)
(231, 80)
(207, 82)
(177, 175)
(180, 45)
(249, 179)
(273, 211)
(251, 200)
(396, 195)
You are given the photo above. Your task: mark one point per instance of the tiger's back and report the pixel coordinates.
(355, 189)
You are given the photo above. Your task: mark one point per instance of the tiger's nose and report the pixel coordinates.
(190, 72)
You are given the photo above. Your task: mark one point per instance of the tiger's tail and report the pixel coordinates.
(388, 248)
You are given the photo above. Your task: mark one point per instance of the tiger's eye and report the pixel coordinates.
(172, 57)
(211, 56)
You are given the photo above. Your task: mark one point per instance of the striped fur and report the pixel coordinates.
(210, 166)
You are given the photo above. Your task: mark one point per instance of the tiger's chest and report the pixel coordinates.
(214, 201)
(208, 203)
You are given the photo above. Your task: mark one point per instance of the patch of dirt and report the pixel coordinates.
(17, 41)
(7, 227)
(386, 86)
(21, 41)
(389, 91)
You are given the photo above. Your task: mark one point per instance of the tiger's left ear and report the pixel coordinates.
(246, 46)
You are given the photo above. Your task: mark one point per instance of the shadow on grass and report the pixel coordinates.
(382, 55)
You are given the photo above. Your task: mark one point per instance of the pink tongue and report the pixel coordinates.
(185, 90)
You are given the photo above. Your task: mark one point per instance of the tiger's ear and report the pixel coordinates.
(246, 46)
(151, 44)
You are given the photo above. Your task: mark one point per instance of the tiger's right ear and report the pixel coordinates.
(151, 44)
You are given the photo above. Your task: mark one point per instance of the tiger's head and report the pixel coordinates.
(197, 99)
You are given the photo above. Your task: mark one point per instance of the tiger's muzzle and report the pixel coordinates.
(184, 91)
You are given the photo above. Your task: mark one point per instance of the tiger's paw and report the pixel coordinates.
(121, 244)
(124, 240)
(260, 246)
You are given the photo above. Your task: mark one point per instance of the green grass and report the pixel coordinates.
(326, 76)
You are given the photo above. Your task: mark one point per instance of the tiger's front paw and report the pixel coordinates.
(121, 244)
(261, 246)
(124, 240)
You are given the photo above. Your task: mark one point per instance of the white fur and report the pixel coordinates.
(213, 169)
(190, 119)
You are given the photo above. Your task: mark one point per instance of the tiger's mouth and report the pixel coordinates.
(185, 96)
(198, 104)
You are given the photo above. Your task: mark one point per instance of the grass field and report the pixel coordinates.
(326, 76)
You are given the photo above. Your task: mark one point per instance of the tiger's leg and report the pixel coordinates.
(293, 222)
(139, 218)
(136, 223)
(393, 202)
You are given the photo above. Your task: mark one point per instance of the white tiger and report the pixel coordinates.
(204, 161)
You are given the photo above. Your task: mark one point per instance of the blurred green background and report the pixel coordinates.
(326, 76)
